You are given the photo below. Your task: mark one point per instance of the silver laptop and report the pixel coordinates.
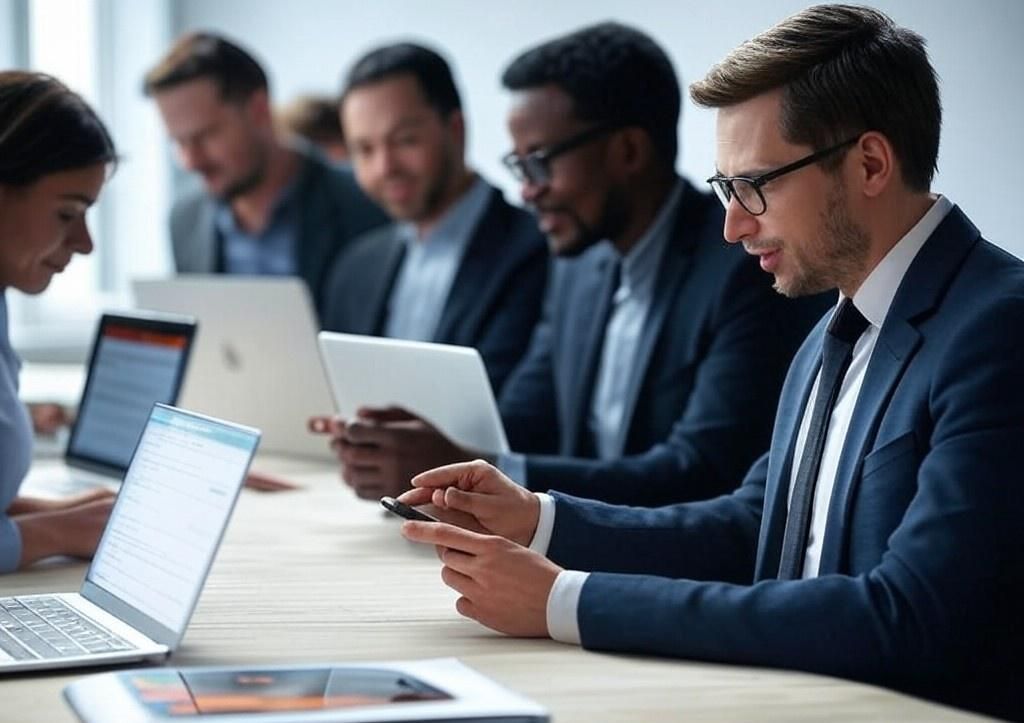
(145, 578)
(136, 361)
(445, 384)
(255, 357)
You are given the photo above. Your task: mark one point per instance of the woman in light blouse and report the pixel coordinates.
(55, 155)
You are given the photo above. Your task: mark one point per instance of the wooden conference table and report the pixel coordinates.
(317, 575)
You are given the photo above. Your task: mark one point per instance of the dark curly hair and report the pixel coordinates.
(614, 74)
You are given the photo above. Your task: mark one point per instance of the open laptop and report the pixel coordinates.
(446, 385)
(255, 357)
(136, 361)
(153, 558)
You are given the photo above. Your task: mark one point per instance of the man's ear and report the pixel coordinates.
(876, 165)
(632, 150)
(456, 126)
(257, 107)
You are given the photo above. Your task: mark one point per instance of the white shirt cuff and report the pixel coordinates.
(545, 525)
(513, 466)
(563, 606)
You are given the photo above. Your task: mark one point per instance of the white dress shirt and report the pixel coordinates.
(872, 299)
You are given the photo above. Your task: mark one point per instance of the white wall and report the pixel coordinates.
(975, 46)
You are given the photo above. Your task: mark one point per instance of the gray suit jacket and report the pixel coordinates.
(333, 211)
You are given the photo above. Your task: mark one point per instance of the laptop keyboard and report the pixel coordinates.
(45, 627)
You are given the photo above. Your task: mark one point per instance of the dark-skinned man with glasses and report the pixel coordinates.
(655, 372)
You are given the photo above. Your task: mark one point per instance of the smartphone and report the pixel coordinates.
(403, 510)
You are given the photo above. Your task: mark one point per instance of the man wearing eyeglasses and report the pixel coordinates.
(655, 373)
(880, 538)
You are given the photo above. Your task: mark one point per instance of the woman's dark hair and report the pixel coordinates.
(46, 128)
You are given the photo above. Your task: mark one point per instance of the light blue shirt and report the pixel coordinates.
(630, 306)
(271, 252)
(430, 265)
(15, 444)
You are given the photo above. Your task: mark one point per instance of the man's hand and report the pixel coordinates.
(381, 449)
(503, 585)
(496, 503)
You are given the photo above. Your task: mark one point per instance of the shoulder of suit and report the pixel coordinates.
(376, 243)
(520, 226)
(191, 199)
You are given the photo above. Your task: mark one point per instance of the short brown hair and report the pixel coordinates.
(206, 55)
(843, 70)
(313, 117)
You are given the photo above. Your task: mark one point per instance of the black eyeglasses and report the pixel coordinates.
(748, 191)
(535, 167)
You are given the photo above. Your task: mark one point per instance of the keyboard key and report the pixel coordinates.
(11, 648)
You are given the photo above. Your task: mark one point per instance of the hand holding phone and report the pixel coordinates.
(403, 510)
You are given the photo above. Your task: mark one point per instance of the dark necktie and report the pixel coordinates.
(837, 351)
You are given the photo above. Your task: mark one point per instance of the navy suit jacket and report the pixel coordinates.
(922, 567)
(703, 391)
(495, 300)
(332, 211)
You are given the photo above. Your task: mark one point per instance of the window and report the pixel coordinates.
(101, 49)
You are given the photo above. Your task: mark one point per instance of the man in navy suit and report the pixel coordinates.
(880, 538)
(459, 265)
(655, 372)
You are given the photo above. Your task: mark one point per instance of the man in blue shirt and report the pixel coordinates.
(267, 206)
(656, 369)
(459, 265)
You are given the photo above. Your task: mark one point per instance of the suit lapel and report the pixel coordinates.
(478, 264)
(380, 282)
(795, 394)
(589, 336)
(920, 292)
(210, 248)
(674, 264)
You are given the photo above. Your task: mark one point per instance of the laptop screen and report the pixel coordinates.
(171, 513)
(135, 362)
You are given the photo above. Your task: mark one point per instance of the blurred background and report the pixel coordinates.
(102, 48)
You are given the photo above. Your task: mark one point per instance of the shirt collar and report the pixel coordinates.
(875, 295)
(640, 263)
(286, 197)
(457, 224)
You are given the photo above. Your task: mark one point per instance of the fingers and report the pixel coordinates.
(385, 414)
(267, 483)
(358, 455)
(458, 561)
(363, 431)
(465, 475)
(446, 535)
(416, 497)
(465, 607)
(462, 584)
(323, 424)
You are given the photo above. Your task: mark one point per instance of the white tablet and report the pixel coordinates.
(445, 385)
